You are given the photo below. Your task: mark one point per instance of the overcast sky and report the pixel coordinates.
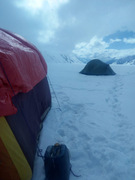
(87, 28)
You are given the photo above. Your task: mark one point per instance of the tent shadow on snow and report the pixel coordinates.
(97, 67)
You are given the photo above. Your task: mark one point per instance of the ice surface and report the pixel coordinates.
(96, 122)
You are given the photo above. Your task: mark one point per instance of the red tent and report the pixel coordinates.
(24, 101)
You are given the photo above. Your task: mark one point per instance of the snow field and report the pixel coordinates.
(95, 120)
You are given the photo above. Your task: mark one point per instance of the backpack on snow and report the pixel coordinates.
(57, 162)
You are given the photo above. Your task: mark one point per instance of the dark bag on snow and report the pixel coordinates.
(57, 162)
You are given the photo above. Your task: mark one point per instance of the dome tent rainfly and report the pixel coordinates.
(25, 100)
(97, 67)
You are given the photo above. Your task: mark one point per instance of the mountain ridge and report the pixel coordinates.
(71, 58)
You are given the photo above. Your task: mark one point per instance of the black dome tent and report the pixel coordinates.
(97, 67)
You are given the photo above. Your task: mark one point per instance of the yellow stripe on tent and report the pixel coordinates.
(8, 170)
(14, 150)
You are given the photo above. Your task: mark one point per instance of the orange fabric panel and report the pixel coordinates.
(13, 153)
(7, 169)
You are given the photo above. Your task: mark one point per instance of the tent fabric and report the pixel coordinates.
(31, 106)
(25, 99)
(7, 168)
(13, 164)
(97, 67)
(21, 68)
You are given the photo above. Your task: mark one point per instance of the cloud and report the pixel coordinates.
(32, 6)
(115, 40)
(65, 23)
(97, 48)
(98, 17)
(45, 36)
(129, 40)
(81, 21)
(46, 11)
(62, 25)
(95, 45)
(19, 21)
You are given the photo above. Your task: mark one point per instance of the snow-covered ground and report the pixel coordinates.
(95, 118)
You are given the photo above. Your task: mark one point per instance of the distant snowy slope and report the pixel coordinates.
(96, 122)
(130, 60)
(57, 57)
